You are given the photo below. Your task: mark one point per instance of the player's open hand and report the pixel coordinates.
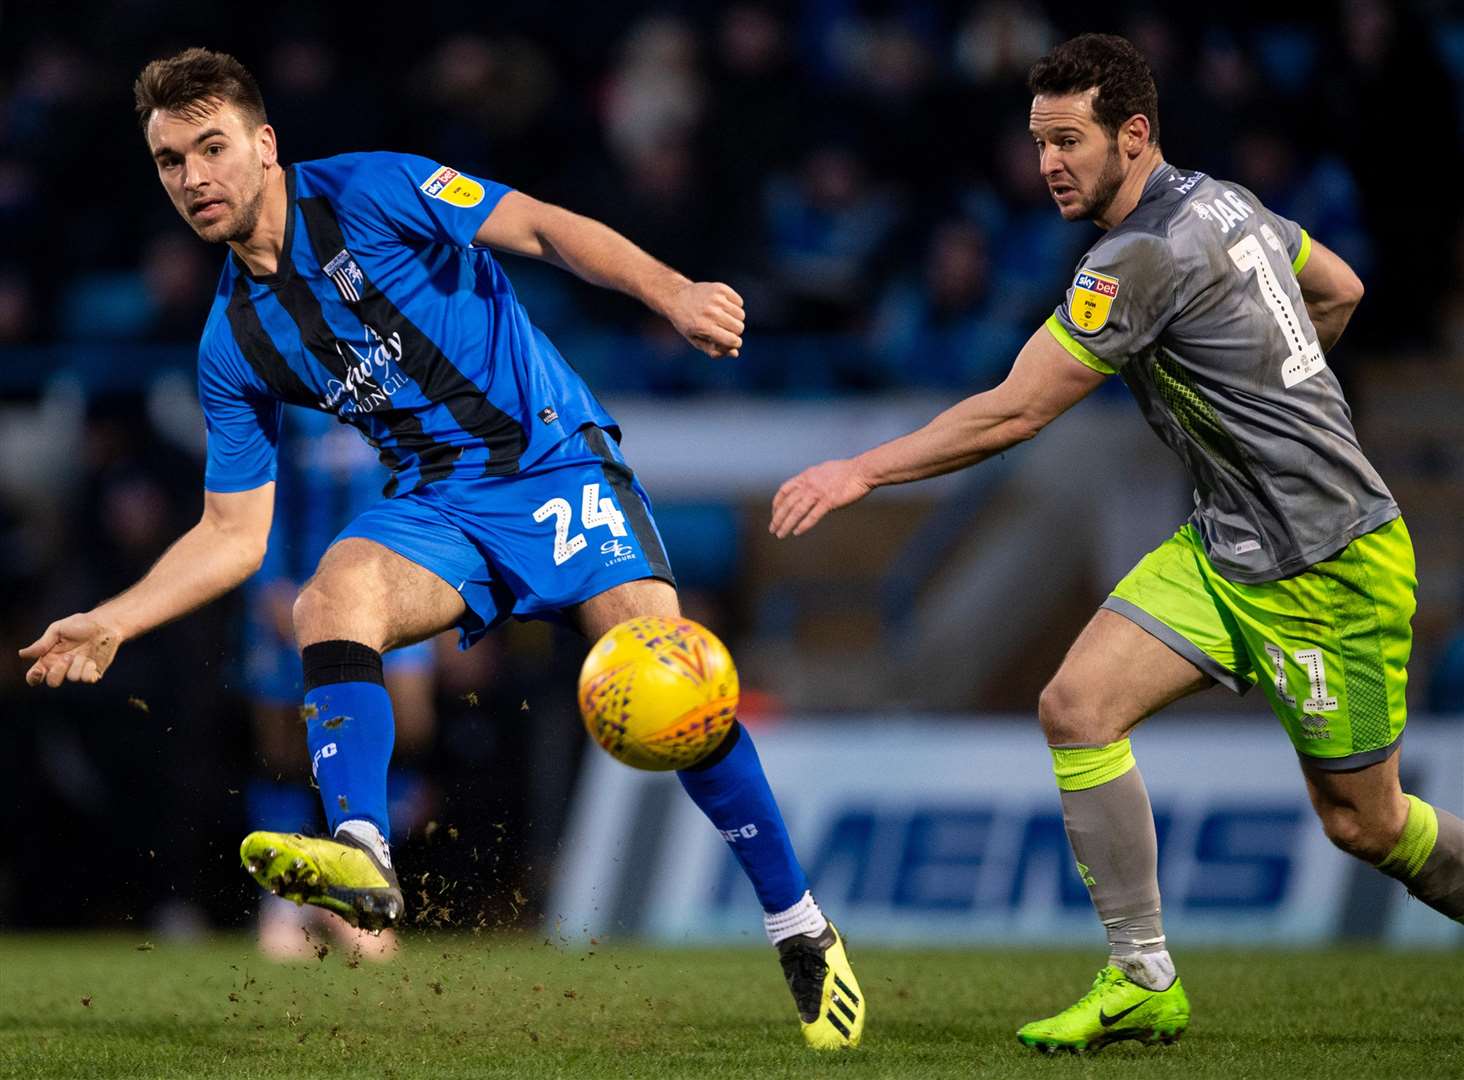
(709, 315)
(802, 502)
(76, 649)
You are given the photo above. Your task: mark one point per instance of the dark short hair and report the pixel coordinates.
(192, 82)
(1110, 63)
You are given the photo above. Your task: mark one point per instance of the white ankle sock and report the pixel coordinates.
(364, 831)
(1151, 970)
(803, 917)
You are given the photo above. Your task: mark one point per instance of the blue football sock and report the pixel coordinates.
(731, 789)
(350, 731)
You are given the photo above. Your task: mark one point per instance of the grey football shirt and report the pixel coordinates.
(1193, 299)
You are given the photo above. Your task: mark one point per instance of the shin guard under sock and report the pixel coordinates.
(1110, 824)
(731, 789)
(350, 731)
(1429, 858)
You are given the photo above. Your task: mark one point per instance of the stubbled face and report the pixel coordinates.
(212, 165)
(1079, 161)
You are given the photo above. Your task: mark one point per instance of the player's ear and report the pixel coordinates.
(269, 151)
(1135, 134)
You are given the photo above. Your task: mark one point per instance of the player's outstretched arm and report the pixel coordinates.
(224, 548)
(707, 313)
(1044, 382)
(1332, 292)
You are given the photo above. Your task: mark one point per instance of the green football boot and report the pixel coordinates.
(830, 1003)
(1114, 1009)
(338, 875)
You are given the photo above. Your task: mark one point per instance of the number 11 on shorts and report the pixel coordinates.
(1311, 660)
(595, 512)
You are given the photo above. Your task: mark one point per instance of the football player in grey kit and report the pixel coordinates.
(1294, 573)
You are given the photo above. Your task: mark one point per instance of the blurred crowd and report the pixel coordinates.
(859, 170)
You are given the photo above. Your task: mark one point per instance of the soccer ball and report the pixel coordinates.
(658, 693)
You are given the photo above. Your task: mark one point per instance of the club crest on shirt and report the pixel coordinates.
(349, 280)
(451, 186)
(1092, 300)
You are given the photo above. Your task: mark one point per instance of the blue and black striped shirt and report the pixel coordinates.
(384, 314)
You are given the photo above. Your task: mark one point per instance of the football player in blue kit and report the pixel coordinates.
(362, 286)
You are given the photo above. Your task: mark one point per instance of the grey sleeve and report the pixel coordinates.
(1298, 243)
(1124, 294)
(1293, 236)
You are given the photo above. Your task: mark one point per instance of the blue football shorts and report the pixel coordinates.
(572, 525)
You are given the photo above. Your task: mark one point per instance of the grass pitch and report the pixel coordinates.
(460, 1006)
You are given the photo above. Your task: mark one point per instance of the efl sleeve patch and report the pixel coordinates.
(453, 187)
(1092, 300)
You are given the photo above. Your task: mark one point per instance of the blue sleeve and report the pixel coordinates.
(242, 419)
(421, 200)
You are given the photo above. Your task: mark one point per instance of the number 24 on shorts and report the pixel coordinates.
(595, 512)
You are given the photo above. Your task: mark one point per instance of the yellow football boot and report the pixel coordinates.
(338, 875)
(1114, 1009)
(830, 1003)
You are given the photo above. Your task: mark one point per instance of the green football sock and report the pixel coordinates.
(1429, 858)
(1110, 825)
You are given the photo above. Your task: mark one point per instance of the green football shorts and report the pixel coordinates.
(1329, 646)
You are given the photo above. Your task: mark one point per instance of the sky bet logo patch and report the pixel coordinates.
(1092, 300)
(451, 186)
